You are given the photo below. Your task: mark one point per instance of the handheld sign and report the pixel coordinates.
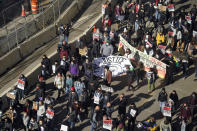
(96, 99)
(64, 128)
(107, 124)
(167, 111)
(21, 84)
(133, 112)
(171, 8)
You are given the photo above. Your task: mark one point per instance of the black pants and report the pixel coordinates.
(131, 125)
(59, 92)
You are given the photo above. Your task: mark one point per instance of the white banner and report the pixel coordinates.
(117, 65)
(148, 61)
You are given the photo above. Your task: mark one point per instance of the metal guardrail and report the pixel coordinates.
(21, 28)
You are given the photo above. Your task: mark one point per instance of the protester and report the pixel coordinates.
(108, 76)
(59, 84)
(162, 98)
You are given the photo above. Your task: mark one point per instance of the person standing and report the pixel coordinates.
(122, 105)
(21, 86)
(74, 69)
(151, 80)
(25, 121)
(165, 125)
(108, 76)
(59, 83)
(174, 97)
(106, 50)
(132, 114)
(162, 98)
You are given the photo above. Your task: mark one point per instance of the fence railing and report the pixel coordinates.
(23, 27)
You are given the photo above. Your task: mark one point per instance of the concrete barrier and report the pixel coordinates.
(9, 60)
(41, 38)
(37, 41)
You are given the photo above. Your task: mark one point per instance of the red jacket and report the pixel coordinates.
(185, 113)
(108, 23)
(64, 53)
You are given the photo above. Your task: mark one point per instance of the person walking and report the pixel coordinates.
(151, 80)
(132, 114)
(108, 76)
(162, 98)
(59, 83)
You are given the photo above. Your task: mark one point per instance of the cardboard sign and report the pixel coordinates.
(107, 89)
(64, 128)
(167, 111)
(171, 8)
(107, 124)
(148, 61)
(133, 112)
(162, 8)
(21, 84)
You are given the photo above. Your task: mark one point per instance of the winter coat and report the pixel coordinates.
(41, 110)
(26, 120)
(74, 69)
(165, 127)
(162, 96)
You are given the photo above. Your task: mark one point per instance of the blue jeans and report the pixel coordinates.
(136, 26)
(162, 104)
(157, 15)
(71, 124)
(66, 38)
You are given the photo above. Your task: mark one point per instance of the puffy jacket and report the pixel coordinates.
(162, 96)
(160, 38)
(165, 127)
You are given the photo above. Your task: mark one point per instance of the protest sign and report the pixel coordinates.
(162, 8)
(96, 100)
(21, 84)
(189, 19)
(64, 128)
(194, 33)
(116, 64)
(171, 8)
(133, 112)
(49, 114)
(167, 111)
(148, 61)
(107, 124)
(107, 89)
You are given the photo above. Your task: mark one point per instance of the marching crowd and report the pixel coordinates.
(153, 27)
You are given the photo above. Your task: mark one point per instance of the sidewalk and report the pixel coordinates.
(32, 63)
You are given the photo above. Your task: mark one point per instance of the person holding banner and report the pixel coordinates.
(151, 80)
(108, 76)
(22, 85)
